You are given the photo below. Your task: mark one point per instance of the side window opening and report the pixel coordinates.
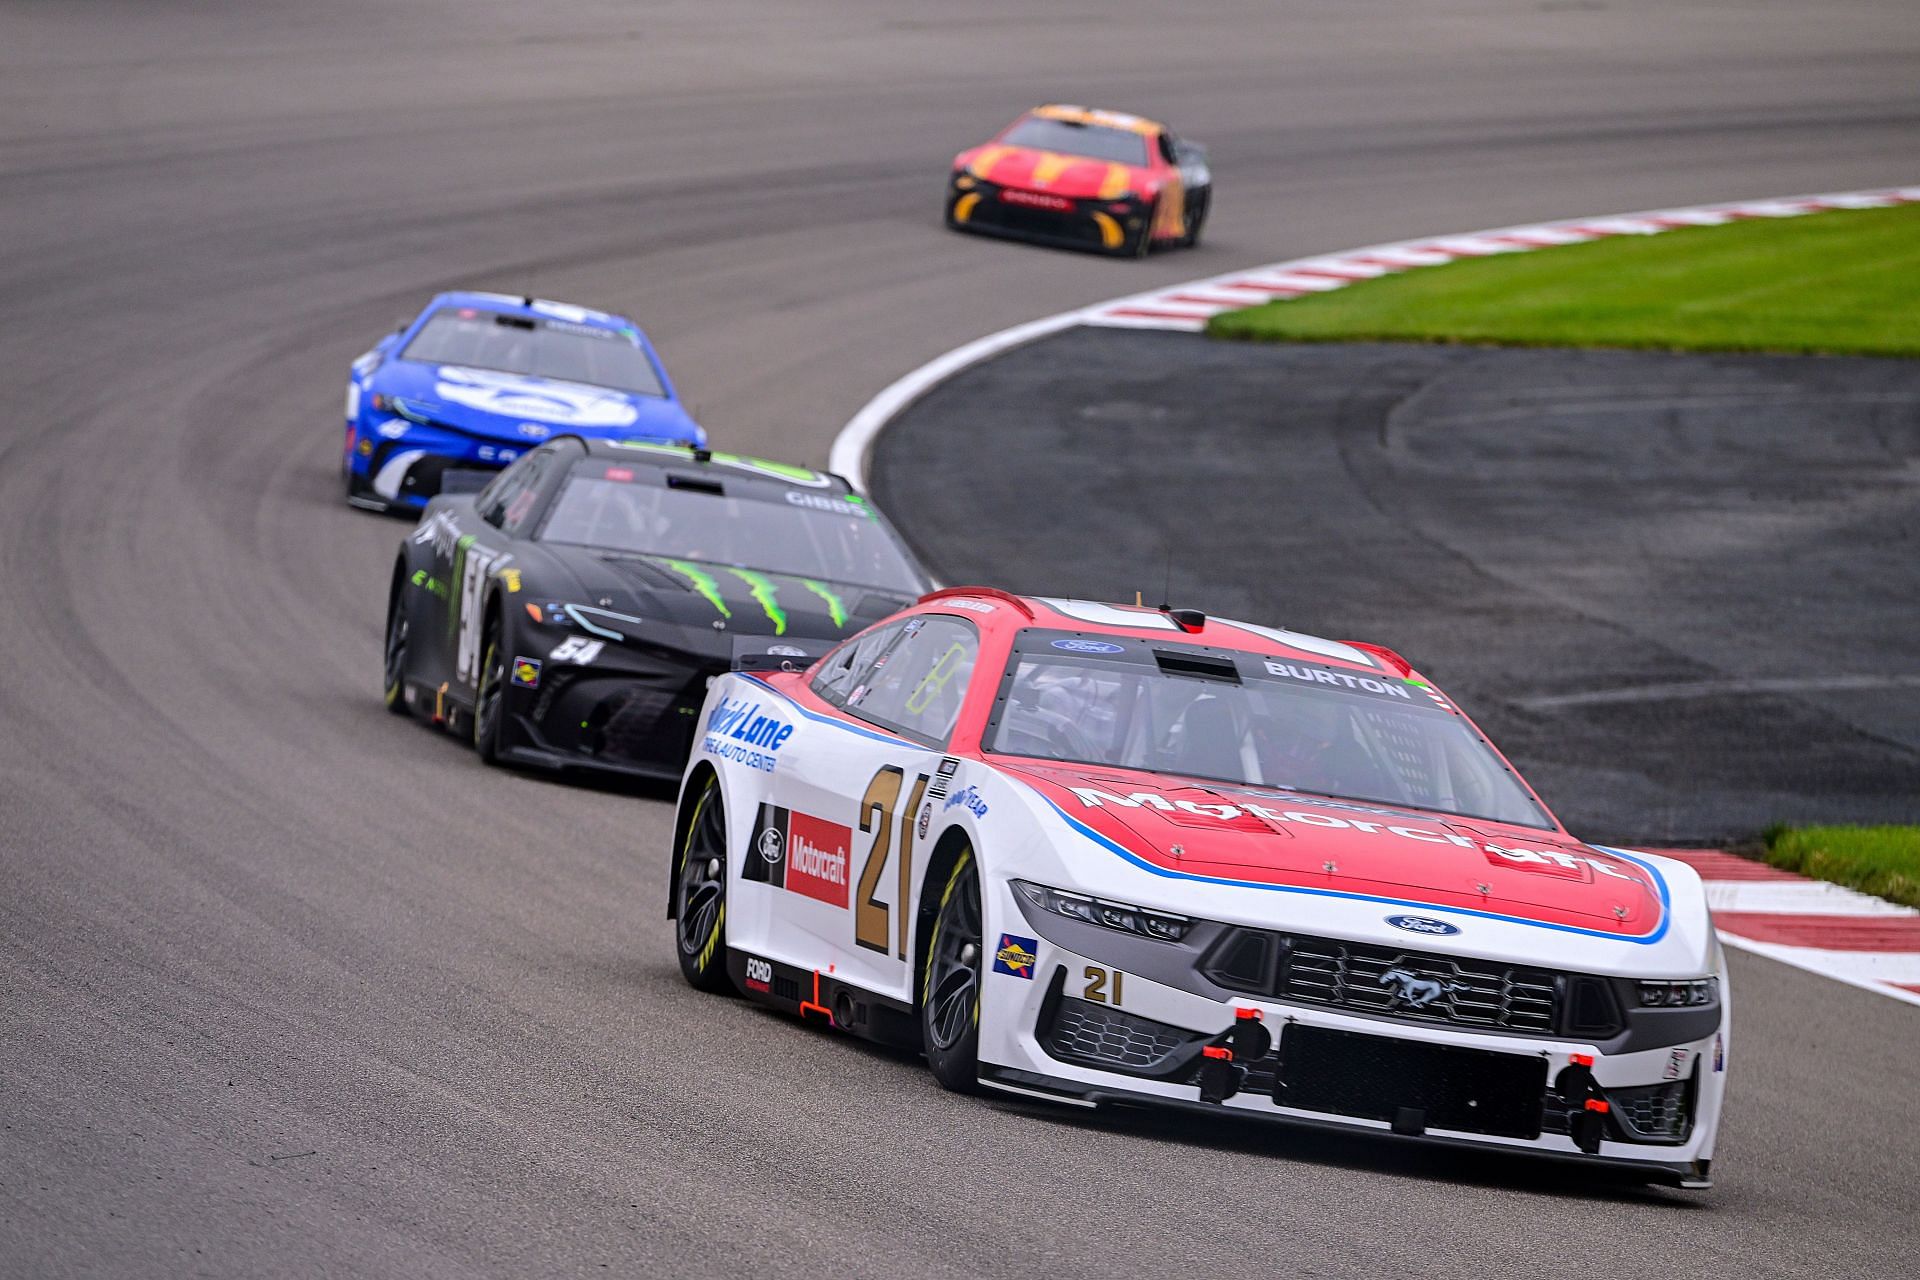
(838, 677)
(917, 685)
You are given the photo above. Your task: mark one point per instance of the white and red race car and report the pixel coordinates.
(1119, 855)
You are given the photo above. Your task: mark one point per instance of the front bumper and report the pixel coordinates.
(1090, 1026)
(396, 464)
(1102, 226)
(638, 724)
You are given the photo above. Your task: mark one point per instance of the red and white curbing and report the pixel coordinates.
(1851, 937)
(1190, 306)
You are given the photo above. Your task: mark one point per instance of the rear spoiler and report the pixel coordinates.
(774, 653)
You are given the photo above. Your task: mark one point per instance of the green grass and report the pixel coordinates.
(1845, 283)
(1877, 860)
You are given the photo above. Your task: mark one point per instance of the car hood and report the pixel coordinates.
(1073, 177)
(527, 409)
(1221, 832)
(717, 602)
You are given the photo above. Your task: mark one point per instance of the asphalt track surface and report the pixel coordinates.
(1680, 591)
(290, 987)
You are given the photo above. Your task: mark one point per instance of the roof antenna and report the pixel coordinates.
(1166, 594)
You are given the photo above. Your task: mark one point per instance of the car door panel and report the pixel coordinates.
(863, 776)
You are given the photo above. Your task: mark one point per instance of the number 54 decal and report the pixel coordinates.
(882, 817)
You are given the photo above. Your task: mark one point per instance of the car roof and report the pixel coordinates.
(1143, 622)
(534, 309)
(1093, 115)
(723, 466)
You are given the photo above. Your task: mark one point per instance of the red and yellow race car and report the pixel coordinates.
(1087, 179)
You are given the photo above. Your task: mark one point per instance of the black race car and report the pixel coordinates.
(571, 613)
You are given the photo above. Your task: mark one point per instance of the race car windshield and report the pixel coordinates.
(1294, 726)
(1096, 141)
(791, 531)
(538, 347)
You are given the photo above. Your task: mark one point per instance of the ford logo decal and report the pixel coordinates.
(1089, 646)
(1423, 924)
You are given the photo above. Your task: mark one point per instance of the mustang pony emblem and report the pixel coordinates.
(1416, 991)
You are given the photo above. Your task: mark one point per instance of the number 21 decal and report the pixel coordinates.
(879, 808)
(1103, 986)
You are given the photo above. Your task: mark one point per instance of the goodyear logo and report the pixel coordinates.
(1016, 955)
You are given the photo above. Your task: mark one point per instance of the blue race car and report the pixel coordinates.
(477, 379)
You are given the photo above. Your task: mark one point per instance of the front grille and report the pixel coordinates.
(622, 719)
(1097, 1035)
(1433, 1086)
(1410, 985)
(1654, 1112)
(1063, 224)
(1661, 1114)
(423, 477)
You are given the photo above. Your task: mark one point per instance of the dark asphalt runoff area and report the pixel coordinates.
(1682, 592)
(290, 987)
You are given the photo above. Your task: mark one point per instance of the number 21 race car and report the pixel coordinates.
(1120, 855)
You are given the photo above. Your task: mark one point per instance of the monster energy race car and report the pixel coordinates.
(573, 612)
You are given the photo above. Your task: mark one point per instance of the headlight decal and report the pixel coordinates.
(1123, 917)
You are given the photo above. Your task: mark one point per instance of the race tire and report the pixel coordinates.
(950, 994)
(1196, 218)
(488, 703)
(1143, 243)
(700, 895)
(399, 631)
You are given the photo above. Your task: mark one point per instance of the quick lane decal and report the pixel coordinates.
(767, 594)
(737, 730)
(836, 608)
(701, 581)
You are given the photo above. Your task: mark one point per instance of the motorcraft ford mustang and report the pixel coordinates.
(1111, 855)
(570, 614)
(477, 379)
(1087, 179)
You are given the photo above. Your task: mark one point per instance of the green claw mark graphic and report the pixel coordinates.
(767, 594)
(835, 606)
(703, 582)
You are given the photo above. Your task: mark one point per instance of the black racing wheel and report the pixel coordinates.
(399, 628)
(1195, 218)
(1143, 243)
(950, 1001)
(700, 894)
(488, 709)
